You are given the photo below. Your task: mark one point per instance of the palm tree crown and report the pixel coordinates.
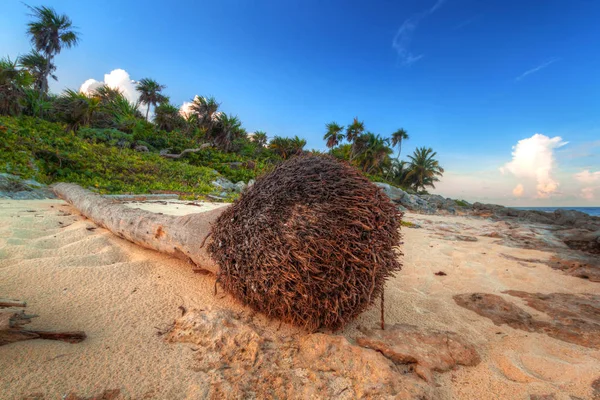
(424, 169)
(37, 65)
(50, 33)
(334, 134)
(260, 138)
(355, 129)
(150, 93)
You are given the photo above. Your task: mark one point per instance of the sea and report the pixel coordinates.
(595, 211)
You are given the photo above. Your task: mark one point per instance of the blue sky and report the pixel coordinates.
(469, 78)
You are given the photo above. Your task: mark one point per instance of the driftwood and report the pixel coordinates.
(12, 319)
(176, 156)
(180, 236)
(141, 197)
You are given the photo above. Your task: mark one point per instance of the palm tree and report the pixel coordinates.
(354, 131)
(423, 168)
(167, 117)
(76, 109)
(150, 93)
(260, 138)
(287, 147)
(50, 33)
(36, 64)
(374, 152)
(334, 134)
(227, 129)
(206, 109)
(396, 140)
(13, 84)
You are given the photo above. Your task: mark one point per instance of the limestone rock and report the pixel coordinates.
(242, 361)
(428, 350)
(572, 318)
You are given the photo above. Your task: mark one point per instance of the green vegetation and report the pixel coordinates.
(461, 203)
(371, 152)
(33, 148)
(407, 224)
(100, 139)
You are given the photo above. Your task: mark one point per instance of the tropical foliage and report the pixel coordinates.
(91, 138)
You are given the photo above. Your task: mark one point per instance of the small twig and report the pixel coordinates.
(382, 311)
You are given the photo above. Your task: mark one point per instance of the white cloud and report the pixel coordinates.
(404, 35)
(534, 158)
(116, 79)
(586, 176)
(536, 69)
(186, 108)
(518, 190)
(588, 193)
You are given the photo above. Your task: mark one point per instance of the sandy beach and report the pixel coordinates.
(77, 276)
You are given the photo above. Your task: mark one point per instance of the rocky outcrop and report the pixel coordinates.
(13, 187)
(406, 201)
(572, 318)
(225, 186)
(563, 218)
(242, 360)
(428, 350)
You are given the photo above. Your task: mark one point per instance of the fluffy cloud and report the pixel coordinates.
(534, 158)
(588, 193)
(518, 190)
(587, 177)
(186, 108)
(116, 79)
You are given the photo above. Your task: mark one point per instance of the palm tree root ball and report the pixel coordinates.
(310, 243)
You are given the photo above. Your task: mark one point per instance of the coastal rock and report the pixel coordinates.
(572, 318)
(429, 350)
(581, 239)
(13, 187)
(563, 218)
(395, 194)
(240, 360)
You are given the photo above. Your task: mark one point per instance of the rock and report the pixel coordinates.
(581, 239)
(240, 187)
(596, 388)
(572, 318)
(578, 265)
(462, 238)
(251, 182)
(222, 183)
(430, 350)
(495, 308)
(542, 397)
(563, 218)
(13, 187)
(395, 194)
(240, 360)
(141, 149)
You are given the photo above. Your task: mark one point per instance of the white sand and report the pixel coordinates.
(121, 295)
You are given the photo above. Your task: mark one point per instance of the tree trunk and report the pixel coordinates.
(179, 236)
(147, 111)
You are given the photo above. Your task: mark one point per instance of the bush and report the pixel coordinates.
(34, 148)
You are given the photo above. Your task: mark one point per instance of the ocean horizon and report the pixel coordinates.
(595, 211)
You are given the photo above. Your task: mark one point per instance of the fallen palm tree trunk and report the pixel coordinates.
(310, 243)
(12, 319)
(180, 236)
